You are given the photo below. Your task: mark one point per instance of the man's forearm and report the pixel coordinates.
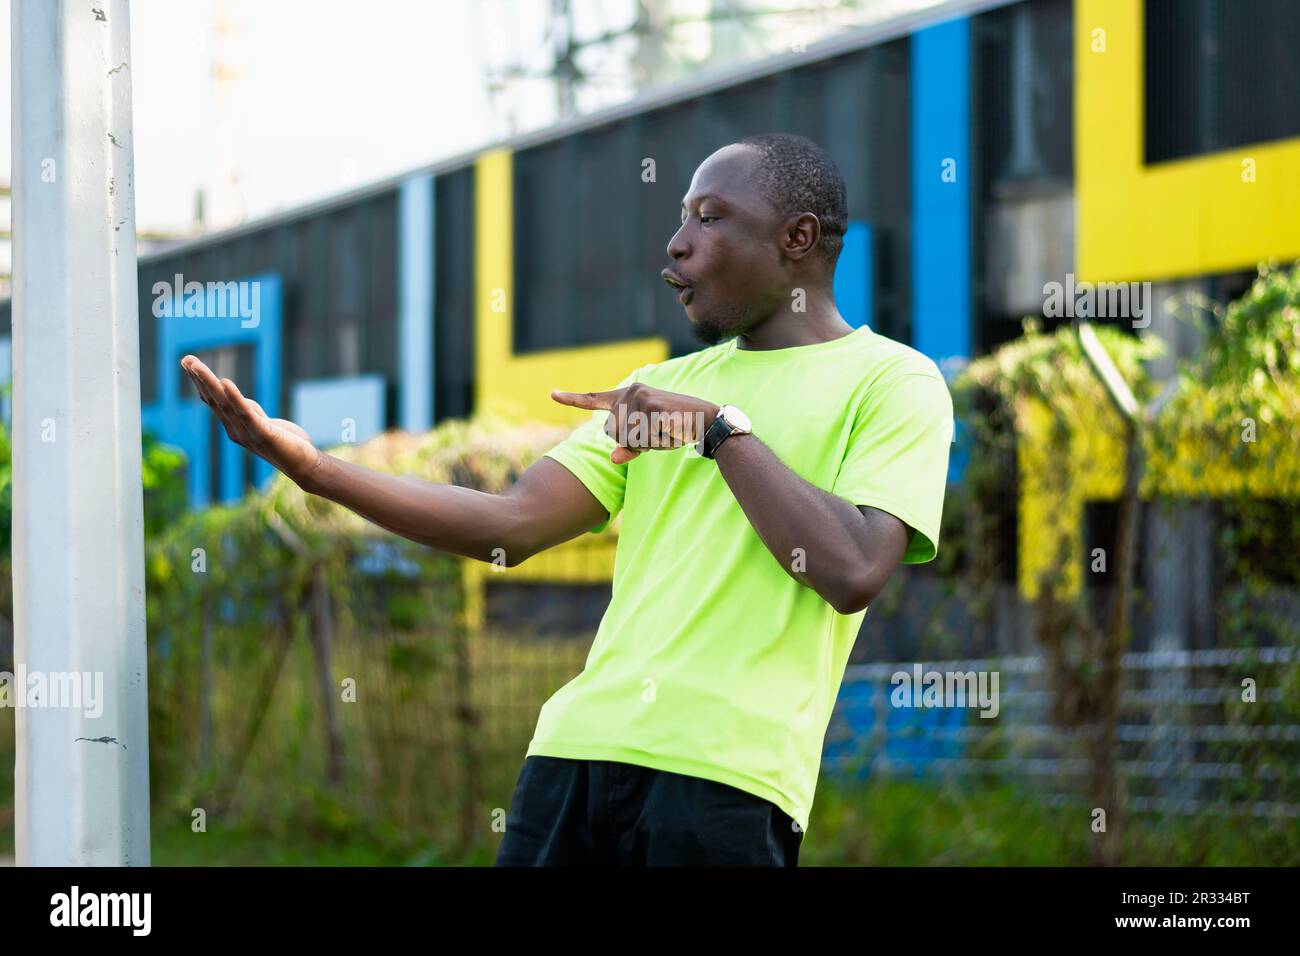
(446, 517)
(808, 530)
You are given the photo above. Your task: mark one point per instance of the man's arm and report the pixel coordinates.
(545, 506)
(848, 553)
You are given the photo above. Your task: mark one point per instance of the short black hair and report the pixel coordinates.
(796, 176)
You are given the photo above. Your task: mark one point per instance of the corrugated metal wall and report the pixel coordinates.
(453, 331)
(591, 235)
(339, 269)
(1219, 74)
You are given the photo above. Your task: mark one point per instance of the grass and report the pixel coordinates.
(248, 846)
(886, 823)
(401, 801)
(909, 823)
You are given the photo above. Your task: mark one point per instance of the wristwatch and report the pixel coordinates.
(730, 421)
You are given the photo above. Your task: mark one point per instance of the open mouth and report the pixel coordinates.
(685, 291)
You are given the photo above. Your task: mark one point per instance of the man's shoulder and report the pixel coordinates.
(890, 359)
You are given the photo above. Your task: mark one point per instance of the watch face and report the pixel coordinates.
(736, 418)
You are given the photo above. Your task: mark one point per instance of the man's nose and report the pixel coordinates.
(677, 246)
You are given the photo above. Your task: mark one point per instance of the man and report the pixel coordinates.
(770, 484)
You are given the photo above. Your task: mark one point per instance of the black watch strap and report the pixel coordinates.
(718, 432)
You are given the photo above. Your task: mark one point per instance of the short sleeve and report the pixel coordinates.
(897, 456)
(586, 453)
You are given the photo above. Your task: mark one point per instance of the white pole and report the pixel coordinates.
(82, 771)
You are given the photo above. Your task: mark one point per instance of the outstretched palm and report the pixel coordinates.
(277, 440)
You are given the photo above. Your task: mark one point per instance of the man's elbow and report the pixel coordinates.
(513, 551)
(856, 594)
(513, 557)
(852, 603)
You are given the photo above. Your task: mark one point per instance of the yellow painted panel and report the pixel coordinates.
(1203, 463)
(574, 562)
(1174, 219)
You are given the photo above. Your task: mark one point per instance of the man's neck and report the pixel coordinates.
(819, 322)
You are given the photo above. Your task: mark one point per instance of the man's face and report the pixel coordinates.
(727, 251)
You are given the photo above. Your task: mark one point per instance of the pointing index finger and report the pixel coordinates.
(589, 400)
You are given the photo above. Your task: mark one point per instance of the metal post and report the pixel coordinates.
(82, 776)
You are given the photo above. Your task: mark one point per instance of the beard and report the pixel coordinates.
(721, 323)
(707, 333)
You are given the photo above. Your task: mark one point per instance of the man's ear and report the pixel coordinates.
(799, 234)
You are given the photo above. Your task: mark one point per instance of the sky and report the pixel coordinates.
(326, 99)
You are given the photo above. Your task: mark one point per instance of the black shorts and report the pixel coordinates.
(603, 813)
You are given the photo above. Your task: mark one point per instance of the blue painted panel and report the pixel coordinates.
(201, 317)
(415, 303)
(854, 276)
(910, 739)
(326, 407)
(941, 202)
(183, 427)
(941, 191)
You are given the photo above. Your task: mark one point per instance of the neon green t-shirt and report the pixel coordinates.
(711, 660)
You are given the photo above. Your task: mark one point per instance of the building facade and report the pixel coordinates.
(990, 149)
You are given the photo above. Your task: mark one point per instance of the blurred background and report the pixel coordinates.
(451, 208)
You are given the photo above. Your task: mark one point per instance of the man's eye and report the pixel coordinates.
(707, 218)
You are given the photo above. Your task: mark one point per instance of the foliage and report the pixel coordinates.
(1042, 423)
(442, 713)
(163, 480)
(6, 486)
(1231, 425)
(236, 680)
